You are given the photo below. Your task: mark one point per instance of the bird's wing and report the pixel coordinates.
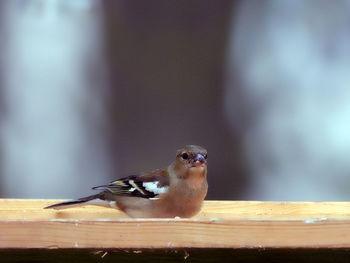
(146, 185)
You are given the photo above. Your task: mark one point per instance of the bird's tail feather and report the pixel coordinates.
(92, 199)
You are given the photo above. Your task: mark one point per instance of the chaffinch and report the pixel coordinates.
(177, 191)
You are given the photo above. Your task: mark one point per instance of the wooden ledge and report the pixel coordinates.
(221, 224)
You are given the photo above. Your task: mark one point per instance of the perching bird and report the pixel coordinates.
(177, 191)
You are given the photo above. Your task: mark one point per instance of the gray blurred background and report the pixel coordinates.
(93, 90)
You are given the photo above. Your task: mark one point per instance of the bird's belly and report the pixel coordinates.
(182, 206)
(158, 208)
(135, 206)
(175, 203)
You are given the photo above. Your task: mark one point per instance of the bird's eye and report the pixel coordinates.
(184, 156)
(205, 156)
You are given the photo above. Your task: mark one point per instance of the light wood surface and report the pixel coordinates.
(221, 224)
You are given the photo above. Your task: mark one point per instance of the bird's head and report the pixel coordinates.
(192, 156)
(190, 162)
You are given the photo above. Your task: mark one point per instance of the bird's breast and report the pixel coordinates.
(196, 177)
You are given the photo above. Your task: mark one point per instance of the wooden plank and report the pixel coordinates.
(221, 224)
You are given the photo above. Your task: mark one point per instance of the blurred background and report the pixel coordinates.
(93, 90)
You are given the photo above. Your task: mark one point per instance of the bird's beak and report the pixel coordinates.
(199, 160)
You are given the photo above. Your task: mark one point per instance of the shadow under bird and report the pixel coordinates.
(177, 191)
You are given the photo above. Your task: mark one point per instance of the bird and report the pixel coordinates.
(176, 191)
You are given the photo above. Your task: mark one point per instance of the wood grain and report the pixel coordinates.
(221, 224)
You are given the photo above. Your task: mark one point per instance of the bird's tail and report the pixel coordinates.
(89, 200)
